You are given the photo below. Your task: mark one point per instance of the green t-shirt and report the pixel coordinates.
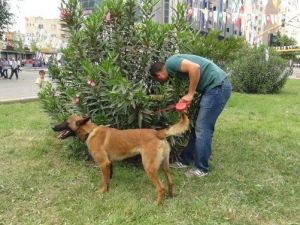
(210, 74)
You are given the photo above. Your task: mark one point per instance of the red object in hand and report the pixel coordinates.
(181, 106)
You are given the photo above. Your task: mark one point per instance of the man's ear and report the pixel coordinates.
(83, 121)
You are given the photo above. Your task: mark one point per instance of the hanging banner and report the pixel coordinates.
(195, 14)
(190, 12)
(275, 3)
(264, 3)
(268, 19)
(238, 21)
(224, 17)
(273, 18)
(242, 10)
(215, 15)
(205, 13)
(228, 16)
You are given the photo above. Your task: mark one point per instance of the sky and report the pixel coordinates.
(48, 9)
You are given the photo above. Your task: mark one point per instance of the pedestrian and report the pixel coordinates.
(41, 78)
(19, 64)
(211, 82)
(4, 68)
(14, 68)
(1, 67)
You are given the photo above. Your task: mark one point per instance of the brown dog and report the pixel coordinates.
(108, 144)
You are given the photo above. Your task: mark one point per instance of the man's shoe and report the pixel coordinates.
(195, 172)
(178, 165)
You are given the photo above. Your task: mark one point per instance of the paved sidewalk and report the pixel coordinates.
(23, 89)
(296, 73)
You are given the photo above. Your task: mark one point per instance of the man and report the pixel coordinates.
(14, 68)
(1, 67)
(211, 81)
(4, 68)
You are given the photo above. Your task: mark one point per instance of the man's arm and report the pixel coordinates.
(193, 71)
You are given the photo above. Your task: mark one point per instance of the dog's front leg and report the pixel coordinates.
(105, 168)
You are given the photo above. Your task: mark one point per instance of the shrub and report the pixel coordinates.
(106, 66)
(256, 71)
(211, 45)
(105, 71)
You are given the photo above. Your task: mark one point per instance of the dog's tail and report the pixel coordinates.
(176, 129)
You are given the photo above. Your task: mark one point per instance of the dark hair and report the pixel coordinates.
(156, 67)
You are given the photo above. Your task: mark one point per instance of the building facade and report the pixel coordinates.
(290, 13)
(255, 20)
(89, 5)
(46, 33)
(206, 15)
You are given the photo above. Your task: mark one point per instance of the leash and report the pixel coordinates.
(179, 107)
(168, 108)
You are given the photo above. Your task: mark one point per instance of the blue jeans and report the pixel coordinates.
(211, 105)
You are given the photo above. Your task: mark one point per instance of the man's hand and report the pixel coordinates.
(187, 98)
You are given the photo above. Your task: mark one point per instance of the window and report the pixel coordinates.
(40, 26)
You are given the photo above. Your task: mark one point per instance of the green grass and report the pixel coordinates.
(254, 179)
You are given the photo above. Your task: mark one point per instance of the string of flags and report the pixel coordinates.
(235, 13)
(215, 16)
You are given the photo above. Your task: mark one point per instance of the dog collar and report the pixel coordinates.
(88, 134)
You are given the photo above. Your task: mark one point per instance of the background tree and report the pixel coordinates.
(284, 40)
(5, 17)
(34, 47)
(19, 45)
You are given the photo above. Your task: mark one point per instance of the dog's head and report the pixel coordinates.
(72, 126)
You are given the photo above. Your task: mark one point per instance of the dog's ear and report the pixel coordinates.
(83, 121)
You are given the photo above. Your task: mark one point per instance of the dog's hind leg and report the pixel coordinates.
(166, 149)
(151, 164)
(111, 170)
(166, 168)
(153, 175)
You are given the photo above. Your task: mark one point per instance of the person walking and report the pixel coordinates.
(1, 67)
(4, 68)
(19, 64)
(14, 68)
(206, 78)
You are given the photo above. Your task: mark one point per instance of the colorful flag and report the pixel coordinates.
(228, 16)
(268, 19)
(275, 3)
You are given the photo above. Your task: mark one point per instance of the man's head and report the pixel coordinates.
(159, 72)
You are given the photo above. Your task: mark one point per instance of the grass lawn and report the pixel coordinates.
(254, 179)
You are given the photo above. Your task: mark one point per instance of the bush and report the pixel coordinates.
(106, 66)
(256, 71)
(211, 46)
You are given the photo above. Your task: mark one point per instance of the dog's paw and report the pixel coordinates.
(171, 192)
(101, 190)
